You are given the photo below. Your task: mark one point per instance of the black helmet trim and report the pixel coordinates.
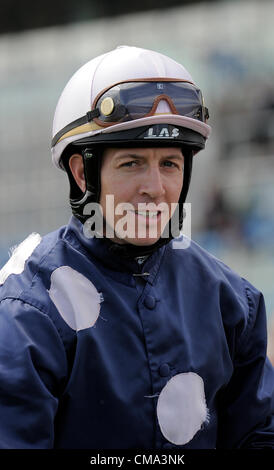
(156, 135)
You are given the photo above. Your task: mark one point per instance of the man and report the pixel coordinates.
(112, 336)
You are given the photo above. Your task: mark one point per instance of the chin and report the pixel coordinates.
(141, 241)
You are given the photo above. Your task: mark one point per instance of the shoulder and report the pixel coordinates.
(28, 260)
(25, 278)
(52, 276)
(216, 287)
(204, 266)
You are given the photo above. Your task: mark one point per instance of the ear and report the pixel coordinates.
(77, 169)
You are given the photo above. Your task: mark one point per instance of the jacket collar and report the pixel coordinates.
(109, 255)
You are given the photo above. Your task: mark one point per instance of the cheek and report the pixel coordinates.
(175, 188)
(119, 189)
(107, 186)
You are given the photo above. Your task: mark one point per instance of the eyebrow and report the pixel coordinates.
(140, 157)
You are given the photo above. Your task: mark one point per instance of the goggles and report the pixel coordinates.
(137, 99)
(134, 100)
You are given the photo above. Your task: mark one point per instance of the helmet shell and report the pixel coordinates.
(121, 64)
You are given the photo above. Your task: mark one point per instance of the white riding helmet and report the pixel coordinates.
(92, 105)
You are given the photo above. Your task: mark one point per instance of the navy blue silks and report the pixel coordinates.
(68, 380)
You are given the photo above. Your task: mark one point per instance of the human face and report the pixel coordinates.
(134, 176)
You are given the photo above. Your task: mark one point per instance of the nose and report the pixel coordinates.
(152, 183)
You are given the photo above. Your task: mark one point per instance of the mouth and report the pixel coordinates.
(148, 214)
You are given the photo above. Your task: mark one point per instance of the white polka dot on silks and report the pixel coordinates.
(75, 297)
(19, 256)
(181, 408)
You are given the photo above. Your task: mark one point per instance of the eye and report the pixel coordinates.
(170, 164)
(129, 164)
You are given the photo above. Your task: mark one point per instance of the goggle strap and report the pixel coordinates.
(78, 122)
(92, 114)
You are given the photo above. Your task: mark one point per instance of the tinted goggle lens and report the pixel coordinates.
(134, 100)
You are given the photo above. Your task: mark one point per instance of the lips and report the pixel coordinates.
(147, 213)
